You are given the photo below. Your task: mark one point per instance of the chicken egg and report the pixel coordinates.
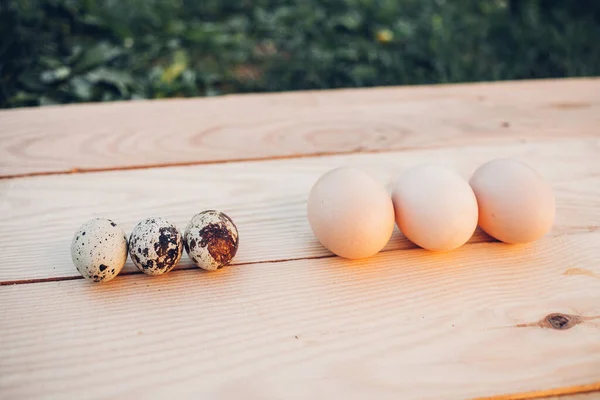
(435, 208)
(350, 213)
(516, 204)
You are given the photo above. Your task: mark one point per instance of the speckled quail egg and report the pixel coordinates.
(211, 240)
(155, 246)
(99, 250)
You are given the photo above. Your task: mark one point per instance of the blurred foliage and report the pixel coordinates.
(66, 51)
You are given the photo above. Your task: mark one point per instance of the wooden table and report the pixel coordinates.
(287, 320)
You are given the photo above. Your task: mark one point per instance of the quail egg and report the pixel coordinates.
(211, 240)
(155, 246)
(99, 250)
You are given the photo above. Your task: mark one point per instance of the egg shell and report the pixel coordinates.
(516, 203)
(435, 207)
(99, 250)
(211, 240)
(350, 213)
(155, 246)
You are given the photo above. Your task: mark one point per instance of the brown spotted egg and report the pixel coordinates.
(211, 240)
(155, 246)
(99, 250)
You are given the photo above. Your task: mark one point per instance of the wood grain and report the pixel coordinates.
(243, 127)
(403, 324)
(265, 199)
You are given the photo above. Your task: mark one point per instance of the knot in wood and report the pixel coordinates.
(561, 321)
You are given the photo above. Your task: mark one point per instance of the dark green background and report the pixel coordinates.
(65, 51)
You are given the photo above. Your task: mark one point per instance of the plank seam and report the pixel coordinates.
(357, 151)
(188, 268)
(484, 240)
(205, 162)
(540, 394)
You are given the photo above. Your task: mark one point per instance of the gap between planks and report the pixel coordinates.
(138, 272)
(562, 393)
(242, 160)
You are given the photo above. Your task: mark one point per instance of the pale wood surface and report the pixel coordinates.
(288, 320)
(101, 136)
(404, 324)
(265, 199)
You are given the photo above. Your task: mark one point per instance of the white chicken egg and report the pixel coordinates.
(516, 204)
(99, 250)
(350, 213)
(435, 208)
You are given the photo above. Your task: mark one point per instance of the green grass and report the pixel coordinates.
(67, 51)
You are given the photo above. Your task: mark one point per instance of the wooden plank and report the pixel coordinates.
(407, 323)
(181, 131)
(266, 200)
